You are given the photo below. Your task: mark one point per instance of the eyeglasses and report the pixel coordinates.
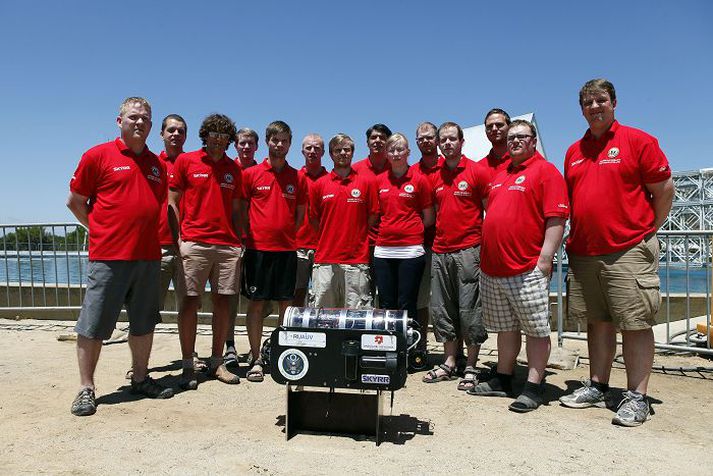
(219, 135)
(520, 137)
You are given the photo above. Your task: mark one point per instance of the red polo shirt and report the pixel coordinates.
(307, 237)
(611, 208)
(272, 199)
(401, 200)
(208, 189)
(493, 164)
(365, 167)
(520, 201)
(418, 168)
(459, 200)
(125, 193)
(164, 231)
(343, 206)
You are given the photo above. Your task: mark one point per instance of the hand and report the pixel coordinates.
(545, 265)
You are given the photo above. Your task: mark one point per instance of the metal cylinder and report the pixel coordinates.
(366, 319)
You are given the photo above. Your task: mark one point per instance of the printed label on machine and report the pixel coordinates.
(293, 364)
(317, 340)
(378, 342)
(375, 379)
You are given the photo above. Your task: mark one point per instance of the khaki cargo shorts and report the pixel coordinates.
(622, 287)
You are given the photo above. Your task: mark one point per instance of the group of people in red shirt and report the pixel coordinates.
(467, 244)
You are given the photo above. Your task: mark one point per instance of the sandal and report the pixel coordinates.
(525, 403)
(469, 380)
(256, 372)
(198, 364)
(432, 375)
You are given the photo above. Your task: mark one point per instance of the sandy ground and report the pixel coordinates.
(240, 429)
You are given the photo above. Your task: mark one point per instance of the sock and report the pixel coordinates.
(215, 362)
(229, 344)
(187, 363)
(505, 380)
(602, 387)
(532, 390)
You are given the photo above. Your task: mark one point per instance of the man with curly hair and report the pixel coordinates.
(209, 183)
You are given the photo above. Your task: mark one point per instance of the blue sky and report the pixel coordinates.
(330, 67)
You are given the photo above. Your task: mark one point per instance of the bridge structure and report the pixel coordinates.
(692, 210)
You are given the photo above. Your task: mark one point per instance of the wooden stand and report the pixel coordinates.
(328, 411)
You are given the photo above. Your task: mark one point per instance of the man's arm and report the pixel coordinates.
(244, 217)
(174, 198)
(79, 206)
(662, 193)
(373, 219)
(237, 216)
(299, 216)
(428, 216)
(554, 230)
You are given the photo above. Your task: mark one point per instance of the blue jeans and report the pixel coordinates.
(398, 281)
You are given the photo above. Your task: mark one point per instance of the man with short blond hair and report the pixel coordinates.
(621, 192)
(307, 237)
(116, 193)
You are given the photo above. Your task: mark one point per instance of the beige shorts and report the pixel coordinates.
(171, 270)
(341, 285)
(219, 264)
(622, 288)
(305, 261)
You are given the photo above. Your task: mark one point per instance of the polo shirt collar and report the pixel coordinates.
(461, 163)
(387, 165)
(124, 149)
(535, 157)
(305, 171)
(334, 176)
(407, 176)
(606, 136)
(205, 158)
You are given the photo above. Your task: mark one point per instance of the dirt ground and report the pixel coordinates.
(434, 428)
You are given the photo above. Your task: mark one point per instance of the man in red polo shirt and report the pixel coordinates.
(427, 166)
(526, 212)
(207, 184)
(459, 189)
(621, 191)
(342, 205)
(173, 134)
(275, 197)
(246, 145)
(497, 123)
(116, 193)
(374, 165)
(307, 237)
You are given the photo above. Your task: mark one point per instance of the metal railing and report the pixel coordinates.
(686, 280)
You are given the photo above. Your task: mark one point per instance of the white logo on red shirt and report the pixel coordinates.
(228, 178)
(290, 188)
(356, 193)
(613, 152)
(155, 171)
(576, 162)
(198, 175)
(520, 179)
(408, 188)
(263, 187)
(562, 205)
(123, 167)
(462, 185)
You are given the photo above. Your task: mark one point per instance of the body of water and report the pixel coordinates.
(72, 268)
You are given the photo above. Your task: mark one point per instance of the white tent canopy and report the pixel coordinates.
(477, 146)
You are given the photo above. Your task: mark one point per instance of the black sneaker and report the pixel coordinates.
(150, 388)
(84, 403)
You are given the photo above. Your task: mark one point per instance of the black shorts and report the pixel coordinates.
(269, 275)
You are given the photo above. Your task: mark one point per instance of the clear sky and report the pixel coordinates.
(329, 67)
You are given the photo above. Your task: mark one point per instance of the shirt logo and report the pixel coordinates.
(198, 175)
(462, 185)
(290, 188)
(408, 188)
(520, 179)
(356, 193)
(576, 162)
(613, 152)
(562, 205)
(228, 178)
(155, 171)
(123, 167)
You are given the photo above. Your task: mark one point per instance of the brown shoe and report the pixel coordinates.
(222, 373)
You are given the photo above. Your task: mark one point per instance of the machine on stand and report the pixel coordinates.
(336, 363)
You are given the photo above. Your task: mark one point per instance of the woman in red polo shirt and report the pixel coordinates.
(405, 208)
